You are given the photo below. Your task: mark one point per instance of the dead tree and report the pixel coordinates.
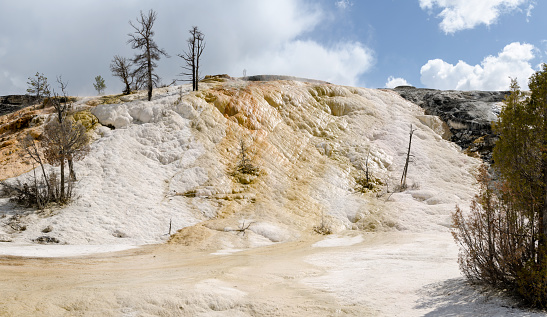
(37, 196)
(367, 182)
(121, 68)
(242, 227)
(30, 149)
(367, 173)
(141, 39)
(62, 106)
(196, 45)
(405, 170)
(64, 140)
(139, 79)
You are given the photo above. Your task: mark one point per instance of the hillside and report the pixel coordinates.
(170, 163)
(309, 141)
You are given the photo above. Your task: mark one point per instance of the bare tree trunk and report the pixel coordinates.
(72, 173)
(142, 39)
(405, 170)
(149, 70)
(196, 75)
(191, 57)
(367, 175)
(62, 197)
(36, 191)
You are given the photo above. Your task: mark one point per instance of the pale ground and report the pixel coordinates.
(352, 274)
(170, 162)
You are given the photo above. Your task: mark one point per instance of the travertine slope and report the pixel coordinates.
(170, 163)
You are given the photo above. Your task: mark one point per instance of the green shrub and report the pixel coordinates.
(531, 284)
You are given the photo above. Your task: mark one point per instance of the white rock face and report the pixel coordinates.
(170, 161)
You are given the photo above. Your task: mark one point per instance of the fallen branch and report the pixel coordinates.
(242, 228)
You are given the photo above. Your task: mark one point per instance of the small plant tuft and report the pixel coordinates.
(324, 227)
(244, 166)
(366, 181)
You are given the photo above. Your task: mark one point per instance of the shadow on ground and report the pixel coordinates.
(456, 297)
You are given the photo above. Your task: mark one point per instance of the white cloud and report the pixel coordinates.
(340, 64)
(459, 15)
(529, 11)
(343, 4)
(393, 82)
(260, 36)
(492, 74)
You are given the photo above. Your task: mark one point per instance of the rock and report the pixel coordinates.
(46, 240)
(12, 103)
(437, 125)
(245, 178)
(468, 114)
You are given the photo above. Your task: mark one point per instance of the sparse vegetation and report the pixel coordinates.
(367, 181)
(503, 239)
(63, 141)
(403, 185)
(244, 166)
(196, 45)
(141, 39)
(121, 68)
(38, 86)
(99, 84)
(111, 99)
(245, 172)
(324, 227)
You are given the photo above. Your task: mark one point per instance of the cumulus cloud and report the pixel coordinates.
(60, 38)
(340, 64)
(459, 15)
(493, 73)
(393, 82)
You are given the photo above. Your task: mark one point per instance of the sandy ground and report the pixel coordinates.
(168, 281)
(350, 274)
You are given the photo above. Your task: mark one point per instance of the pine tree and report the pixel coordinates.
(503, 239)
(99, 84)
(538, 108)
(520, 154)
(517, 152)
(38, 85)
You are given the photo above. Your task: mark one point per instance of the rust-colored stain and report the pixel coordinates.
(14, 126)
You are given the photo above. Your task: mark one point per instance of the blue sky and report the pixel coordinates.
(444, 44)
